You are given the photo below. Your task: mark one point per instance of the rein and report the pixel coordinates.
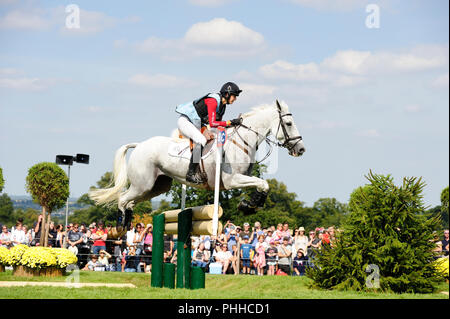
(269, 142)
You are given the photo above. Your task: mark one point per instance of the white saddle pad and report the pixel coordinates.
(182, 149)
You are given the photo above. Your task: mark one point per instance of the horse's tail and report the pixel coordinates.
(110, 195)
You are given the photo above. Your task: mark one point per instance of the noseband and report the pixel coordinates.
(287, 138)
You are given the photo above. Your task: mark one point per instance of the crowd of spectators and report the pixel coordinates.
(236, 250)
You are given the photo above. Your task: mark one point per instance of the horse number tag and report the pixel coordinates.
(221, 136)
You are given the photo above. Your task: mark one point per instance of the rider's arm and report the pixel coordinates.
(211, 104)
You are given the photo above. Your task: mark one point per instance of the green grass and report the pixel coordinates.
(217, 287)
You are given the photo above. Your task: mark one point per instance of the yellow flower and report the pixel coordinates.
(442, 265)
(64, 257)
(4, 253)
(15, 255)
(38, 257)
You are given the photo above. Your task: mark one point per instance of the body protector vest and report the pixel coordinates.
(197, 110)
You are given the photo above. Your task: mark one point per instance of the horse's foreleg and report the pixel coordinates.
(257, 199)
(244, 181)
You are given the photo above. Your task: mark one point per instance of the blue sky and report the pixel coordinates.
(363, 98)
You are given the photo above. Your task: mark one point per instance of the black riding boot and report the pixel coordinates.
(128, 218)
(193, 174)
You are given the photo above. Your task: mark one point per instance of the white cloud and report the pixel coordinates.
(369, 133)
(217, 37)
(298, 72)
(9, 71)
(159, 81)
(26, 84)
(221, 32)
(25, 20)
(347, 61)
(6, 2)
(210, 3)
(441, 81)
(384, 62)
(91, 22)
(413, 108)
(257, 89)
(332, 5)
(325, 125)
(351, 67)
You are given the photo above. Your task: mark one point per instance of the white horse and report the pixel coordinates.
(151, 169)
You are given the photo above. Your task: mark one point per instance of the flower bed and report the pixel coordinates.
(442, 266)
(4, 252)
(37, 261)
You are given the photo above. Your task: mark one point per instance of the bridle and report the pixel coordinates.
(286, 136)
(281, 125)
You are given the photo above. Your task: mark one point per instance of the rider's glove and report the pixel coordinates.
(235, 122)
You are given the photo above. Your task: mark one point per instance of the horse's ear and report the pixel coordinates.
(279, 106)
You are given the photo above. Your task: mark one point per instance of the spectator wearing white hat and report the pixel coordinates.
(246, 232)
(103, 259)
(300, 240)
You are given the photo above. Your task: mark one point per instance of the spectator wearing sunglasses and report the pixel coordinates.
(99, 236)
(5, 237)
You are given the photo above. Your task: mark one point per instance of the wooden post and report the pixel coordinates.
(42, 227)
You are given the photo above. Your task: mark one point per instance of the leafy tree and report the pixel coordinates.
(95, 213)
(444, 207)
(329, 212)
(48, 185)
(29, 216)
(6, 210)
(386, 228)
(2, 181)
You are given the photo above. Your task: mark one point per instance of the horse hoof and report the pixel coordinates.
(116, 232)
(245, 207)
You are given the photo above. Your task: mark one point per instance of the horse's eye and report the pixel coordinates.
(289, 124)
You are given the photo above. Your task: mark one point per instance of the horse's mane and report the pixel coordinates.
(257, 109)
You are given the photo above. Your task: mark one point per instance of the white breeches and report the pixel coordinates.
(189, 130)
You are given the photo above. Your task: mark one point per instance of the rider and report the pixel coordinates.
(208, 109)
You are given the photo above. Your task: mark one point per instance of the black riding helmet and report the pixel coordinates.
(230, 88)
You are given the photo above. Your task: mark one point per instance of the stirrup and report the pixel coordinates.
(195, 178)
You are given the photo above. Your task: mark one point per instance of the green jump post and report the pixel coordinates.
(158, 251)
(197, 278)
(184, 249)
(169, 275)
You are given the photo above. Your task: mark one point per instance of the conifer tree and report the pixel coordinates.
(386, 232)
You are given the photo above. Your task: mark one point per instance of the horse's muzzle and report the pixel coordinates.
(297, 153)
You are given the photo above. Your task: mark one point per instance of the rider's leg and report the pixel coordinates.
(191, 130)
(188, 129)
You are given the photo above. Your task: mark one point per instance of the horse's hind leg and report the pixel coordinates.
(127, 201)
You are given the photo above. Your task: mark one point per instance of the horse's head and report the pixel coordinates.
(286, 131)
